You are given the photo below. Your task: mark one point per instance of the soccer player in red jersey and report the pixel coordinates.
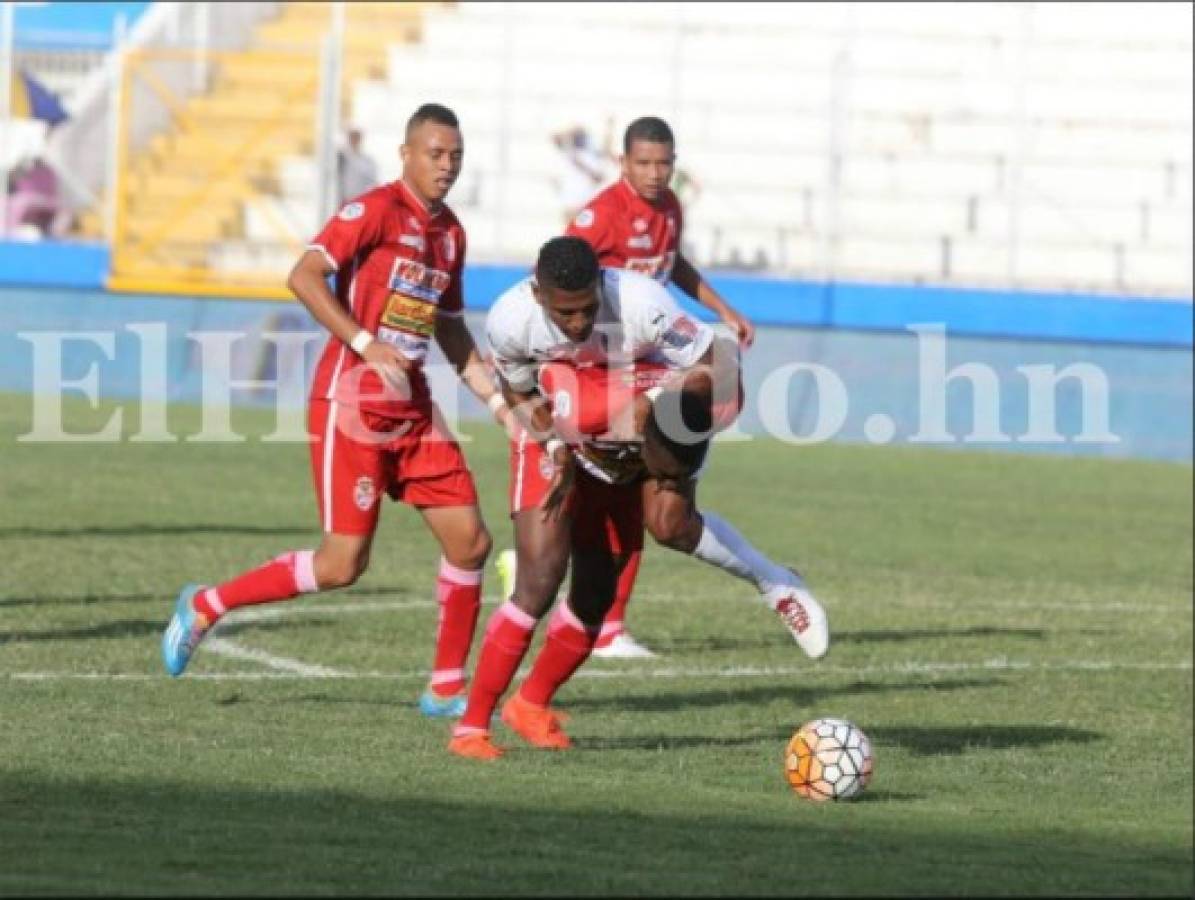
(397, 253)
(582, 489)
(636, 224)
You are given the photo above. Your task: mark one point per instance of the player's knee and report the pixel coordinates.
(673, 531)
(341, 571)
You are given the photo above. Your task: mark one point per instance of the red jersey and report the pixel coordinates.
(627, 232)
(592, 409)
(398, 266)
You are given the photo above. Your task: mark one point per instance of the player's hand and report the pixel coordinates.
(741, 326)
(563, 473)
(391, 366)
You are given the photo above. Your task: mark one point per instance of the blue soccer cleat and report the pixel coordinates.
(185, 631)
(436, 707)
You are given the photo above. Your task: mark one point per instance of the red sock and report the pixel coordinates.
(568, 645)
(281, 578)
(507, 638)
(612, 626)
(459, 594)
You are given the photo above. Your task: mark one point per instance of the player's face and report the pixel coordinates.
(648, 167)
(431, 160)
(573, 312)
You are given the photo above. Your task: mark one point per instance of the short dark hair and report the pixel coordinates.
(681, 423)
(647, 128)
(434, 113)
(568, 263)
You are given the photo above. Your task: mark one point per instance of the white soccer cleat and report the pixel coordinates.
(803, 616)
(623, 646)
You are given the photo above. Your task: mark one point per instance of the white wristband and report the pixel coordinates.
(496, 402)
(361, 340)
(551, 446)
(652, 393)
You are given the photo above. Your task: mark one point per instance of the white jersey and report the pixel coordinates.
(636, 319)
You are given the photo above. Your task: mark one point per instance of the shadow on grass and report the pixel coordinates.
(167, 597)
(895, 635)
(806, 696)
(151, 530)
(937, 741)
(513, 830)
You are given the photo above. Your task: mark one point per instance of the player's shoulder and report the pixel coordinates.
(378, 201)
(510, 315)
(632, 287)
(606, 205)
(447, 219)
(670, 203)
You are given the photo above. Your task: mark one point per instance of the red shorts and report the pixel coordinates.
(356, 456)
(605, 515)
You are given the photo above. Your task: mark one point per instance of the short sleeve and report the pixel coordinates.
(657, 321)
(452, 302)
(355, 229)
(506, 336)
(595, 225)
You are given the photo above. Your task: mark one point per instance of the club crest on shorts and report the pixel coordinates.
(365, 493)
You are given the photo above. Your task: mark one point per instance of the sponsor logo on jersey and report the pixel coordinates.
(657, 267)
(351, 211)
(414, 241)
(639, 224)
(584, 218)
(640, 242)
(546, 467)
(412, 346)
(413, 278)
(410, 314)
(414, 224)
(364, 493)
(681, 333)
(448, 248)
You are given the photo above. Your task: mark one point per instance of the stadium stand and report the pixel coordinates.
(1025, 145)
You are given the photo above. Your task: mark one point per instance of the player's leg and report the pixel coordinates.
(431, 474)
(674, 521)
(464, 545)
(542, 549)
(608, 525)
(348, 477)
(615, 641)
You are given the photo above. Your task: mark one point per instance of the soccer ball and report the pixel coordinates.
(828, 759)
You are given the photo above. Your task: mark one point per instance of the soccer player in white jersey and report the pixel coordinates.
(573, 311)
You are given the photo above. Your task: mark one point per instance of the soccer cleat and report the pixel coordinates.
(623, 646)
(433, 705)
(537, 725)
(803, 616)
(186, 629)
(507, 565)
(475, 745)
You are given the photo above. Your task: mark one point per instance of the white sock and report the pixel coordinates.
(722, 546)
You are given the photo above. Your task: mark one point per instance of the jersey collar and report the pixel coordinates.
(425, 213)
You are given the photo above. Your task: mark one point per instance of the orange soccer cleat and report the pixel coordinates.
(475, 745)
(537, 725)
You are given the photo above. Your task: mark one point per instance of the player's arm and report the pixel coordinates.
(452, 334)
(308, 281)
(686, 277)
(534, 412)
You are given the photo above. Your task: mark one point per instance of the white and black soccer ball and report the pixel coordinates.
(828, 759)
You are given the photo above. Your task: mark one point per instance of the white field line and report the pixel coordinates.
(640, 673)
(231, 649)
(300, 608)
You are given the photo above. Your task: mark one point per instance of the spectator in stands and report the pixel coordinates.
(356, 171)
(34, 208)
(583, 167)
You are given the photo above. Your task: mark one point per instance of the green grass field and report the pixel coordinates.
(1013, 633)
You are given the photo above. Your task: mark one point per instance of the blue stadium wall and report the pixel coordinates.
(1025, 315)
(858, 331)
